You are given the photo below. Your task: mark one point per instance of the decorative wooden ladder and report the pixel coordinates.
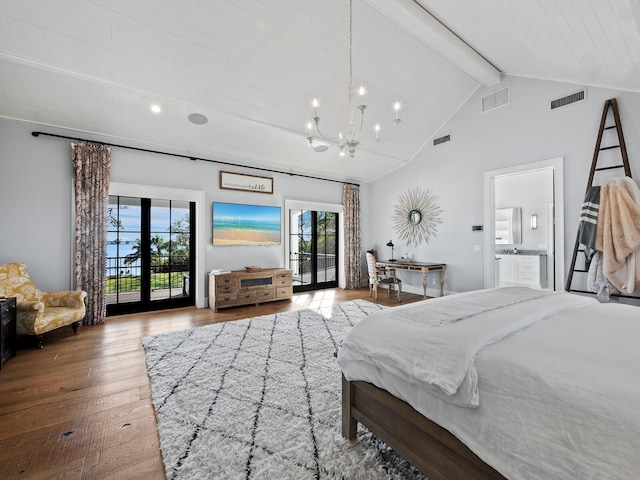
(610, 104)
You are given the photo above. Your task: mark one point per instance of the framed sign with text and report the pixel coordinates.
(245, 182)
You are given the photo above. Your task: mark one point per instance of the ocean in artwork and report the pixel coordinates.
(240, 224)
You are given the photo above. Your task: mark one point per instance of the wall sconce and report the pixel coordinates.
(534, 221)
(390, 244)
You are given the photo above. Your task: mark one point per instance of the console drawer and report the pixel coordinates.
(284, 292)
(226, 288)
(247, 296)
(266, 294)
(227, 299)
(284, 279)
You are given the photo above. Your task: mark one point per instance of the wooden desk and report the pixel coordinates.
(424, 267)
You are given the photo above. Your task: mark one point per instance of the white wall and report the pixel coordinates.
(523, 131)
(35, 205)
(36, 200)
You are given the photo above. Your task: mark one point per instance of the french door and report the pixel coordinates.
(150, 254)
(313, 249)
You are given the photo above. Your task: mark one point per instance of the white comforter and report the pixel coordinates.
(434, 344)
(558, 394)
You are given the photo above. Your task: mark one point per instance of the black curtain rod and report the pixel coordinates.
(229, 164)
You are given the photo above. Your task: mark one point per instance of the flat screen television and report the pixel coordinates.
(241, 224)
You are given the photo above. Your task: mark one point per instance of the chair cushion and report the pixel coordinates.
(50, 319)
(389, 280)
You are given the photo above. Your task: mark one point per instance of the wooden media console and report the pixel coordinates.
(240, 287)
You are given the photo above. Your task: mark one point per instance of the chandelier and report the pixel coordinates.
(352, 140)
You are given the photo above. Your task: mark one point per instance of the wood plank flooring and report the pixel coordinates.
(81, 407)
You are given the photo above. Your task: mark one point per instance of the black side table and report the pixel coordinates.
(8, 313)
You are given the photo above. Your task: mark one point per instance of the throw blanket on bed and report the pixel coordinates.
(618, 233)
(433, 343)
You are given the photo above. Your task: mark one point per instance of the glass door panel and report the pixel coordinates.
(149, 254)
(326, 242)
(169, 249)
(313, 245)
(124, 232)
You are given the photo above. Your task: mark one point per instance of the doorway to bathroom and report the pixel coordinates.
(535, 190)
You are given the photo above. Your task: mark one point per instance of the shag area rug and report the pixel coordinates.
(260, 398)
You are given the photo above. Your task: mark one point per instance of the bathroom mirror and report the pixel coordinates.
(508, 226)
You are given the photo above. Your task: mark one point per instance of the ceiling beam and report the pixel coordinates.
(418, 21)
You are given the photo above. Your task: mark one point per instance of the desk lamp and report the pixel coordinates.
(390, 244)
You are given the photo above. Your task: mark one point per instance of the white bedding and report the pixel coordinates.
(434, 344)
(559, 398)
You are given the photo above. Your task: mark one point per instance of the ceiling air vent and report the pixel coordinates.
(443, 139)
(569, 99)
(495, 99)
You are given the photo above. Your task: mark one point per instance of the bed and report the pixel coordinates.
(500, 383)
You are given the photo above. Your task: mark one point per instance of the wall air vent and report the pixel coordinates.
(495, 99)
(568, 100)
(443, 139)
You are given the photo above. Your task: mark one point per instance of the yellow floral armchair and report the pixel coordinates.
(40, 312)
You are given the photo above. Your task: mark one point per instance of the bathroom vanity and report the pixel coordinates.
(526, 267)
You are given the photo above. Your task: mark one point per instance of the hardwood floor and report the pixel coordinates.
(81, 407)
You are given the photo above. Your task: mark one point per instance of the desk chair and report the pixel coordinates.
(381, 276)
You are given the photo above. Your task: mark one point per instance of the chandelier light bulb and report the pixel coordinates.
(397, 119)
(361, 91)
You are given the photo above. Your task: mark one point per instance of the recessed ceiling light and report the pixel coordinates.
(155, 108)
(198, 119)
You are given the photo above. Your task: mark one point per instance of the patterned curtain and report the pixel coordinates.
(91, 181)
(352, 239)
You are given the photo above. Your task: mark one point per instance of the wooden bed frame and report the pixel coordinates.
(427, 446)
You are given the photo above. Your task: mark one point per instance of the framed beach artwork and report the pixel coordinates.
(242, 224)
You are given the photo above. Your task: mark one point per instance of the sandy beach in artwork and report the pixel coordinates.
(230, 236)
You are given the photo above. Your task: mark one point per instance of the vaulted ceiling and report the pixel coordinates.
(252, 67)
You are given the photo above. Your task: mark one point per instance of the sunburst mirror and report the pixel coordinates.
(416, 216)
